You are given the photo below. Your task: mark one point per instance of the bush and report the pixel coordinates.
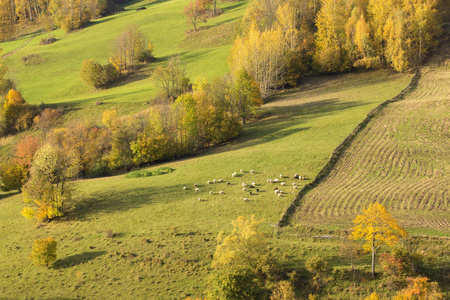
(320, 269)
(12, 176)
(43, 252)
(94, 74)
(160, 171)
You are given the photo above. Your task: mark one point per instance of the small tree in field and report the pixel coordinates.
(420, 288)
(195, 12)
(377, 227)
(43, 252)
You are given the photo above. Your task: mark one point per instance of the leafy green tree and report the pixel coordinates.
(376, 227)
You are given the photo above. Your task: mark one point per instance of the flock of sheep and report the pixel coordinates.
(250, 189)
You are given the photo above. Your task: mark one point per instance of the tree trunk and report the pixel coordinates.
(373, 256)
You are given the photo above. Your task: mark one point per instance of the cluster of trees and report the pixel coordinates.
(67, 14)
(128, 50)
(191, 117)
(244, 267)
(282, 39)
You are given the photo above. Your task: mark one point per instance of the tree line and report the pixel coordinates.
(66, 14)
(281, 40)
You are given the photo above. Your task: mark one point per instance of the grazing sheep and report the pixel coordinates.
(220, 180)
(244, 199)
(197, 189)
(242, 171)
(209, 182)
(269, 180)
(250, 193)
(303, 178)
(294, 184)
(199, 199)
(281, 192)
(276, 188)
(281, 176)
(257, 190)
(277, 191)
(275, 180)
(211, 192)
(245, 189)
(252, 186)
(295, 187)
(184, 188)
(228, 183)
(253, 183)
(222, 192)
(195, 184)
(296, 176)
(252, 171)
(283, 183)
(214, 181)
(280, 195)
(292, 192)
(234, 174)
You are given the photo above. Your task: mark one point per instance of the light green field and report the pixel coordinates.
(55, 77)
(165, 235)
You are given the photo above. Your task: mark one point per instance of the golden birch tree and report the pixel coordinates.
(376, 227)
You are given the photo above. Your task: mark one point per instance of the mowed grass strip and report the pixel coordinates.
(401, 159)
(147, 237)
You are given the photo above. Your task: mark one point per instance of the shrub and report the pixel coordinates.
(94, 74)
(420, 288)
(320, 269)
(43, 252)
(12, 176)
(283, 291)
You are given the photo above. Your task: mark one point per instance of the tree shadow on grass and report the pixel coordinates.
(121, 199)
(8, 194)
(77, 259)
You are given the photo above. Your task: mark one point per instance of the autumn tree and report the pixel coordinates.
(376, 227)
(97, 75)
(420, 288)
(16, 113)
(172, 79)
(130, 48)
(48, 119)
(283, 291)
(48, 193)
(7, 18)
(43, 251)
(195, 12)
(242, 262)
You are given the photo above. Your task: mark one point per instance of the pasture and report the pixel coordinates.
(147, 237)
(54, 76)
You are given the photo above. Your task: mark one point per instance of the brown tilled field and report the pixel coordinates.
(401, 159)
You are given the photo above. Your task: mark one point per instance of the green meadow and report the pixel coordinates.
(148, 237)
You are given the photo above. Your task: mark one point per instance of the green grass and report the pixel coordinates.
(164, 236)
(56, 79)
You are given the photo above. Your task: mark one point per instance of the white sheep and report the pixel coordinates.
(234, 174)
(243, 184)
(197, 189)
(220, 180)
(244, 199)
(277, 191)
(222, 192)
(242, 171)
(294, 184)
(283, 183)
(253, 183)
(184, 188)
(211, 192)
(208, 182)
(252, 171)
(281, 176)
(214, 181)
(269, 180)
(275, 180)
(295, 187)
(245, 189)
(199, 199)
(280, 195)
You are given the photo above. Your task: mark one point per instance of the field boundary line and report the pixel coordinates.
(339, 151)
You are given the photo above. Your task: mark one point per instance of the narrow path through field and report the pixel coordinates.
(18, 48)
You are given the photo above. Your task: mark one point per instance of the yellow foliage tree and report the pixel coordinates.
(377, 227)
(44, 251)
(373, 296)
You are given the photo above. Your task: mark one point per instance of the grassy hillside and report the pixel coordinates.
(164, 236)
(401, 159)
(53, 77)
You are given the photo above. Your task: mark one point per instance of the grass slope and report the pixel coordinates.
(165, 236)
(401, 159)
(55, 77)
